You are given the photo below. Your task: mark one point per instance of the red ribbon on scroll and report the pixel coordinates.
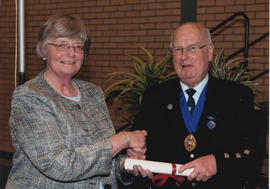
(160, 179)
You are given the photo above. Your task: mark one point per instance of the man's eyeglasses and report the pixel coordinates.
(66, 47)
(189, 49)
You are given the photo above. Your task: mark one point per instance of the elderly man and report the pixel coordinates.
(198, 121)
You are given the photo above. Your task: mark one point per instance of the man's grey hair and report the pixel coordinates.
(208, 39)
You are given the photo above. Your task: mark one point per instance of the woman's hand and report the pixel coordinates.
(133, 140)
(137, 146)
(137, 138)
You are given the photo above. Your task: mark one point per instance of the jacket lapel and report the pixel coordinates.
(175, 116)
(211, 108)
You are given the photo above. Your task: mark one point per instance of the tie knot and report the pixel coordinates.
(191, 92)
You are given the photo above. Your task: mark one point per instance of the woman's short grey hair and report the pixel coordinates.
(57, 26)
(208, 39)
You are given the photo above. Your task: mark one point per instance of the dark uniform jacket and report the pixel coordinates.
(228, 104)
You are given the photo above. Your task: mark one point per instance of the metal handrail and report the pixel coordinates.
(259, 75)
(246, 32)
(249, 45)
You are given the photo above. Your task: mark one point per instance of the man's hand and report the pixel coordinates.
(138, 170)
(204, 168)
(136, 153)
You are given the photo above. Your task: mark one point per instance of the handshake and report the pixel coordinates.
(135, 144)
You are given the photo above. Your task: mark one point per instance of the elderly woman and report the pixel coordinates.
(61, 129)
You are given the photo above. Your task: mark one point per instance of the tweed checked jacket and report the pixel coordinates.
(60, 143)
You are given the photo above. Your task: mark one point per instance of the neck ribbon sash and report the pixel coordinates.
(192, 120)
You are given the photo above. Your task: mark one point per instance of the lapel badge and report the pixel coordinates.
(211, 124)
(170, 106)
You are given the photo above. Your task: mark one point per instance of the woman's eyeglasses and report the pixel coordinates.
(66, 47)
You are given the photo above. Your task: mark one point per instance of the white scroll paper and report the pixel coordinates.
(156, 167)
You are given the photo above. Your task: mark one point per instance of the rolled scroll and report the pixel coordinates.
(157, 167)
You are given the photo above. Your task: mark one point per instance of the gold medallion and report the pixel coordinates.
(190, 142)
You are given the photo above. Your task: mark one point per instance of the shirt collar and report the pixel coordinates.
(199, 87)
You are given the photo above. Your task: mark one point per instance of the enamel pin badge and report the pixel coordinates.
(211, 124)
(170, 106)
